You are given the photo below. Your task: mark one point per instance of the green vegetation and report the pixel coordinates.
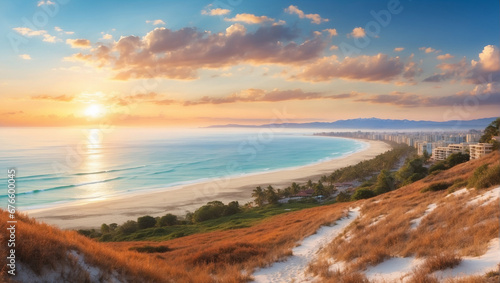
(150, 249)
(246, 217)
(363, 194)
(452, 160)
(436, 187)
(485, 177)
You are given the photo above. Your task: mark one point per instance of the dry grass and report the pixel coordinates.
(452, 230)
(218, 256)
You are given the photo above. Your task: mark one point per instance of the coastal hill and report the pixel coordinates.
(419, 233)
(378, 124)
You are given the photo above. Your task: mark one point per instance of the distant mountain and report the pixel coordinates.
(376, 124)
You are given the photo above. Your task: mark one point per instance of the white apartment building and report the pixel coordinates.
(479, 150)
(441, 153)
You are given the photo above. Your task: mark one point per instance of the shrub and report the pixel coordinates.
(167, 220)
(441, 262)
(211, 210)
(458, 184)
(438, 166)
(436, 187)
(150, 249)
(104, 228)
(343, 197)
(231, 208)
(485, 177)
(145, 222)
(128, 227)
(363, 194)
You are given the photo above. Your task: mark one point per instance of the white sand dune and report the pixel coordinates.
(293, 269)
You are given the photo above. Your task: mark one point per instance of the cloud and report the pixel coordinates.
(358, 32)
(156, 22)
(178, 54)
(61, 98)
(429, 50)
(215, 12)
(413, 100)
(107, 36)
(485, 70)
(25, 56)
(315, 18)
(399, 49)
(260, 95)
(489, 58)
(379, 67)
(331, 31)
(48, 2)
(333, 47)
(445, 56)
(30, 33)
(12, 113)
(78, 43)
(249, 19)
(58, 29)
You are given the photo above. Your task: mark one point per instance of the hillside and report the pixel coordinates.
(415, 233)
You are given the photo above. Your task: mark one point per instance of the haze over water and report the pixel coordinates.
(57, 165)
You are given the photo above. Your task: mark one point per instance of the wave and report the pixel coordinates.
(161, 172)
(108, 171)
(68, 186)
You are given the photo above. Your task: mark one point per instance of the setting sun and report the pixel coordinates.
(94, 110)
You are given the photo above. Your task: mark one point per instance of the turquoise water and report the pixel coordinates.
(57, 165)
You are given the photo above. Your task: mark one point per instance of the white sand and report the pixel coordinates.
(179, 200)
(293, 269)
(486, 198)
(416, 222)
(475, 265)
(396, 269)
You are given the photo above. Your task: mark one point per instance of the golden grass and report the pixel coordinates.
(219, 256)
(452, 230)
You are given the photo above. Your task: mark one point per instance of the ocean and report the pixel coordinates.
(57, 165)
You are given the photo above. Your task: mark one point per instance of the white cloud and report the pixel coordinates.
(490, 58)
(445, 56)
(331, 31)
(156, 22)
(429, 50)
(399, 49)
(48, 2)
(107, 36)
(215, 12)
(249, 19)
(358, 32)
(315, 18)
(25, 56)
(78, 43)
(30, 33)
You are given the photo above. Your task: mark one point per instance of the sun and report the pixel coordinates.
(94, 111)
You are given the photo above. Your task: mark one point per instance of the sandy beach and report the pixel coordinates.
(179, 200)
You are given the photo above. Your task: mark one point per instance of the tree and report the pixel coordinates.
(426, 156)
(385, 182)
(231, 208)
(490, 131)
(211, 210)
(413, 168)
(457, 158)
(295, 188)
(128, 227)
(167, 220)
(113, 226)
(104, 228)
(319, 189)
(271, 196)
(343, 197)
(259, 196)
(362, 194)
(145, 222)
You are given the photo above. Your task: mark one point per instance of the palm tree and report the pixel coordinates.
(259, 196)
(271, 196)
(295, 188)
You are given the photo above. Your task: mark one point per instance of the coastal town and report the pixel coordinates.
(440, 145)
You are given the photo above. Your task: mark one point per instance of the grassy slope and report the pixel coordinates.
(219, 256)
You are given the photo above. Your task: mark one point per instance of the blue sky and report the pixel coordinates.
(292, 54)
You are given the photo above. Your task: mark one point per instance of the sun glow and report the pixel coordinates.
(94, 111)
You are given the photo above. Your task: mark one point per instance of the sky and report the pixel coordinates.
(166, 63)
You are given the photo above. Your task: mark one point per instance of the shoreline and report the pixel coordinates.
(188, 197)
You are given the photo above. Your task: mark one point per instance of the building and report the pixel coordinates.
(442, 152)
(479, 150)
(471, 138)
